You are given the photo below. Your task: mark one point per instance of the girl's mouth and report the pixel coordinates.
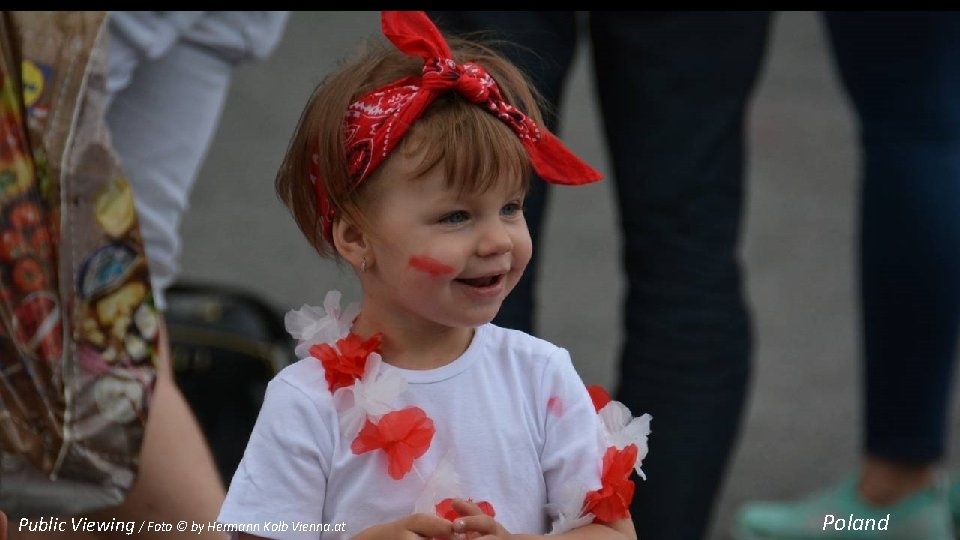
(482, 282)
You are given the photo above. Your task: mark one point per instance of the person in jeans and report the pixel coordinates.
(901, 73)
(673, 91)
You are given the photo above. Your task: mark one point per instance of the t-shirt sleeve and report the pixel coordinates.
(573, 447)
(282, 477)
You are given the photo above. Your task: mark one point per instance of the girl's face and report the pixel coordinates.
(442, 256)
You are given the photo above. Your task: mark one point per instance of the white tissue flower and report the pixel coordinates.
(569, 509)
(444, 483)
(622, 429)
(311, 325)
(373, 394)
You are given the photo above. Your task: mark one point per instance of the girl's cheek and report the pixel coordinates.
(430, 266)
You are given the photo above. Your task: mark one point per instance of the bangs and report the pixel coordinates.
(476, 149)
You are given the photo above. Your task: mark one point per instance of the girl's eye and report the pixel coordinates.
(455, 217)
(511, 209)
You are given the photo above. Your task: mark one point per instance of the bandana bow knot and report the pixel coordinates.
(377, 121)
(469, 80)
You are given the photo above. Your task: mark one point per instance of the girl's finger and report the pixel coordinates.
(466, 508)
(482, 524)
(428, 526)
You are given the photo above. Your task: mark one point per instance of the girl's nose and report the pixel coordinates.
(495, 240)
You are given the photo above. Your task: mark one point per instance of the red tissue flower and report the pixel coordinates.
(599, 396)
(612, 501)
(446, 511)
(404, 435)
(344, 364)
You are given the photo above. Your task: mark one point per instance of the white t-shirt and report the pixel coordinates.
(511, 415)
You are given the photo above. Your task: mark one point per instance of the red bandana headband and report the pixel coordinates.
(375, 123)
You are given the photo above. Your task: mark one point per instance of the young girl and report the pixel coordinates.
(416, 417)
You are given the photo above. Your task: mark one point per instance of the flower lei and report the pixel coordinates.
(363, 397)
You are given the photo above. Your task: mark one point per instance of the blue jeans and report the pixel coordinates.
(673, 90)
(902, 73)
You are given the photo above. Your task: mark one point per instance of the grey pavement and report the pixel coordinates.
(801, 428)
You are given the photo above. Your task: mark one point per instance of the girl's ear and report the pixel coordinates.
(352, 244)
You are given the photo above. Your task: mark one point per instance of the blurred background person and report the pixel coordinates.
(673, 90)
(665, 116)
(901, 72)
(169, 74)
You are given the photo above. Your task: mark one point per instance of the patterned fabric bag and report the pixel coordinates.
(78, 328)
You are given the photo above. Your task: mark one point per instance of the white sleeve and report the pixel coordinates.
(282, 477)
(572, 455)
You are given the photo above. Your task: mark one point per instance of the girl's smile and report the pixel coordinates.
(485, 284)
(489, 285)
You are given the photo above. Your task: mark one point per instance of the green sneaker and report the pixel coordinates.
(839, 512)
(953, 499)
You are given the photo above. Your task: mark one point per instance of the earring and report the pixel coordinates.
(363, 265)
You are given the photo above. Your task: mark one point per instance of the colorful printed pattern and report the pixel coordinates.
(78, 329)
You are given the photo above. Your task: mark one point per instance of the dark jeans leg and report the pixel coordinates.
(541, 44)
(674, 89)
(903, 74)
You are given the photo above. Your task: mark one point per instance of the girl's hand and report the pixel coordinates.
(412, 527)
(475, 525)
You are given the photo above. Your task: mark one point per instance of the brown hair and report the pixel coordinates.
(473, 146)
